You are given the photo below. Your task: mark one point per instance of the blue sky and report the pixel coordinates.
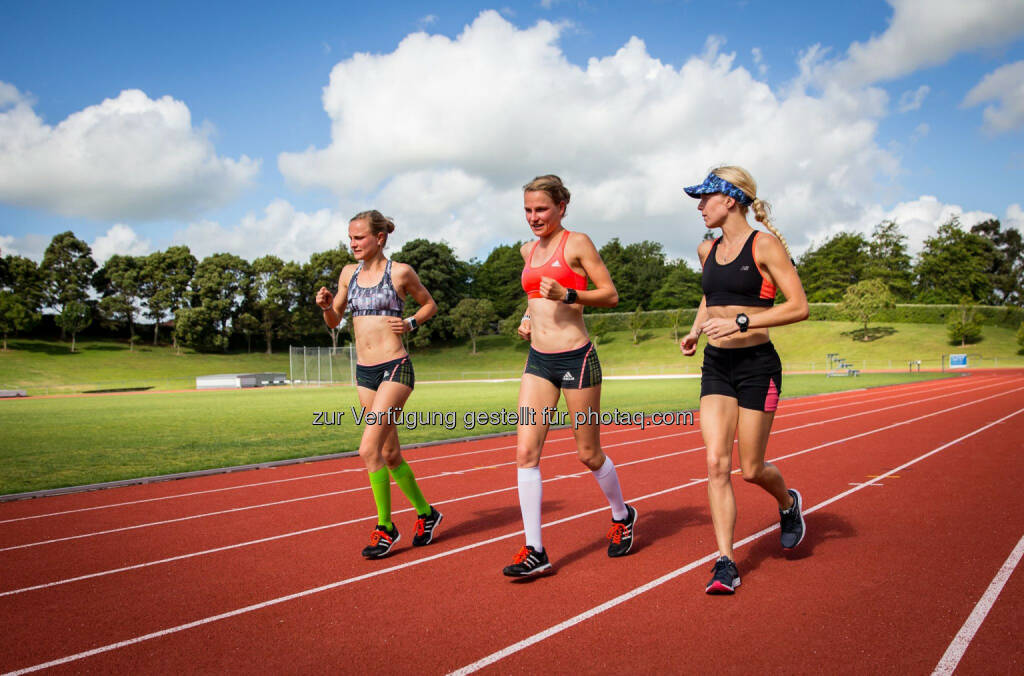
(882, 124)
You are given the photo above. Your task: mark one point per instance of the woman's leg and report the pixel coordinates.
(585, 405)
(536, 394)
(718, 418)
(752, 435)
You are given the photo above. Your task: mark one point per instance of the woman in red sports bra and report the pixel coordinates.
(741, 377)
(562, 360)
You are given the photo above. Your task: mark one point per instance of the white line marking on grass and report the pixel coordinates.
(810, 401)
(955, 651)
(597, 610)
(622, 464)
(440, 555)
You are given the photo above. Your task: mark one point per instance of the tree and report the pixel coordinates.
(444, 276)
(888, 260)
(195, 327)
(271, 295)
(498, 278)
(119, 282)
(473, 316)
(681, 288)
(963, 326)
(598, 327)
(323, 269)
(14, 316)
(636, 323)
(827, 271)
(164, 283)
(248, 325)
(864, 300)
(67, 269)
(677, 319)
(1006, 271)
(22, 277)
(635, 269)
(509, 326)
(954, 264)
(75, 316)
(222, 285)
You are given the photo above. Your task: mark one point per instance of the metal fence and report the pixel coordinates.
(322, 365)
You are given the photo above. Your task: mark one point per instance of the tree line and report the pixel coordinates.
(223, 299)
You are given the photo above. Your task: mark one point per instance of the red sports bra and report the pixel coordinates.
(556, 268)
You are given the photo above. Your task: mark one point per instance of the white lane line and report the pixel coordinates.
(621, 443)
(597, 610)
(951, 658)
(440, 555)
(810, 401)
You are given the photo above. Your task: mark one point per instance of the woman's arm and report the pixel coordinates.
(579, 248)
(409, 282)
(333, 305)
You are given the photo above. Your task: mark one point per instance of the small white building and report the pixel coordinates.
(240, 380)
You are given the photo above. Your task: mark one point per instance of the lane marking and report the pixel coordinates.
(597, 610)
(494, 657)
(951, 658)
(809, 400)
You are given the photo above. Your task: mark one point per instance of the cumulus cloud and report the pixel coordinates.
(926, 33)
(1014, 217)
(913, 98)
(30, 246)
(128, 158)
(427, 20)
(457, 126)
(119, 239)
(1005, 86)
(759, 60)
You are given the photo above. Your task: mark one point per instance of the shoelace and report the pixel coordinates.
(521, 556)
(378, 535)
(617, 532)
(421, 526)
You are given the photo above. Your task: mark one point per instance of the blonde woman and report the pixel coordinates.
(742, 375)
(562, 362)
(374, 291)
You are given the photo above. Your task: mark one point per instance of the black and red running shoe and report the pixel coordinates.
(381, 542)
(528, 562)
(622, 533)
(724, 578)
(425, 525)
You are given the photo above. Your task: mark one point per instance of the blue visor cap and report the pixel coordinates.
(713, 184)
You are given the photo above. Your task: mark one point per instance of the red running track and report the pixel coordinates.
(913, 517)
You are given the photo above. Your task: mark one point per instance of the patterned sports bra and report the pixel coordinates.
(381, 299)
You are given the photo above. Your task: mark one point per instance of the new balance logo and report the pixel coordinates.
(568, 376)
(744, 268)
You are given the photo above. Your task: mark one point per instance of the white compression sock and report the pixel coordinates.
(530, 492)
(608, 480)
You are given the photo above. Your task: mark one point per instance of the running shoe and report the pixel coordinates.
(792, 522)
(528, 562)
(725, 578)
(425, 525)
(621, 534)
(381, 542)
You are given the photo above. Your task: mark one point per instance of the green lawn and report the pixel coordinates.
(48, 367)
(66, 441)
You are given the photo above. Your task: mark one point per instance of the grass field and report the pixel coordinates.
(67, 441)
(46, 367)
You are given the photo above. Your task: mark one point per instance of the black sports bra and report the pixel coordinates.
(738, 282)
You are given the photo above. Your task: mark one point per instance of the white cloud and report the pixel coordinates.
(427, 20)
(1005, 86)
(759, 60)
(459, 125)
(926, 33)
(127, 158)
(119, 239)
(920, 131)
(30, 246)
(913, 98)
(1014, 217)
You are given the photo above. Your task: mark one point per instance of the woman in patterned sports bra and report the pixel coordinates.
(742, 375)
(561, 360)
(374, 291)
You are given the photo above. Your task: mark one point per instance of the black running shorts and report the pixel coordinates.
(574, 369)
(396, 371)
(751, 375)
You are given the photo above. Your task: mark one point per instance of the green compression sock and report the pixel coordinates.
(407, 482)
(380, 483)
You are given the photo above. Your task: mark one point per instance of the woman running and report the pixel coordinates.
(742, 374)
(375, 291)
(562, 359)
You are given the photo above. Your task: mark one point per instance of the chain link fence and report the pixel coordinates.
(316, 366)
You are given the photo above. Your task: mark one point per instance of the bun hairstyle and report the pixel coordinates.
(550, 184)
(742, 179)
(378, 222)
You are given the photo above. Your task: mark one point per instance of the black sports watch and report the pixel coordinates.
(570, 296)
(743, 321)
(411, 322)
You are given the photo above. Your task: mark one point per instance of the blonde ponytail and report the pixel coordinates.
(742, 179)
